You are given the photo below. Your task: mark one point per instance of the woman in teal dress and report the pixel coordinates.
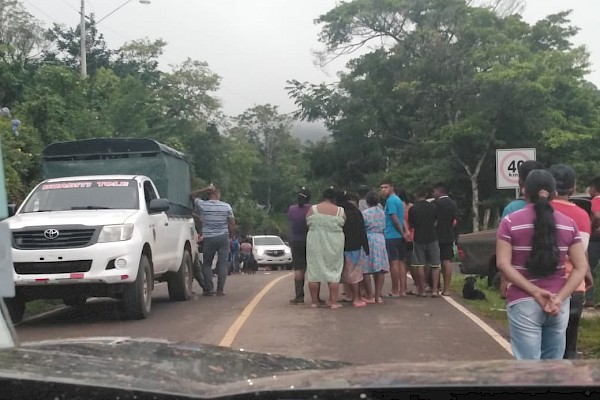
(325, 248)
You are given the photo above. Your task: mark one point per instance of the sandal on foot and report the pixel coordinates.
(314, 306)
(335, 306)
(372, 301)
(379, 300)
(395, 296)
(359, 304)
(446, 294)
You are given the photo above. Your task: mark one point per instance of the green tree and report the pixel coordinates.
(20, 33)
(66, 47)
(280, 169)
(447, 84)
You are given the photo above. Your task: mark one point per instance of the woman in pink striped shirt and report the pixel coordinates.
(532, 246)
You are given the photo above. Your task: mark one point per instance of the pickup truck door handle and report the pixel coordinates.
(166, 224)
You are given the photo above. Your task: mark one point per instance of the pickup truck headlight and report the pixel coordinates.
(260, 252)
(115, 233)
(288, 250)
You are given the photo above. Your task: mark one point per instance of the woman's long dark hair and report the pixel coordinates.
(544, 257)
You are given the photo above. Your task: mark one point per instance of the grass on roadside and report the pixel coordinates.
(493, 307)
(588, 340)
(40, 306)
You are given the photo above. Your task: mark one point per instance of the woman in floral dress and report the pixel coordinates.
(377, 263)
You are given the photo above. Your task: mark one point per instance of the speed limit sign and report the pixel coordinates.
(507, 166)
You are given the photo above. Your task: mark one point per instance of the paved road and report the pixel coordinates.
(409, 329)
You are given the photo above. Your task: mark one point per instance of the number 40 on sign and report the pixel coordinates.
(507, 166)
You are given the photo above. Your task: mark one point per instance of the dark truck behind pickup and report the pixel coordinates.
(477, 250)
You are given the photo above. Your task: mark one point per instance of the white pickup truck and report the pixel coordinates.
(100, 236)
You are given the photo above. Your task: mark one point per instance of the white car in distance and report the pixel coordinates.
(270, 250)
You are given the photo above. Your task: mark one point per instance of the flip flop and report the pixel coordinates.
(435, 295)
(314, 306)
(346, 301)
(446, 294)
(335, 306)
(392, 295)
(379, 300)
(359, 304)
(369, 301)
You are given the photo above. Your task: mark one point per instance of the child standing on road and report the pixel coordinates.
(246, 257)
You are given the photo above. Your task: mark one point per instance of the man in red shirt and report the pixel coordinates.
(565, 186)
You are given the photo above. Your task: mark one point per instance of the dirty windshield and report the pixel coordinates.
(362, 186)
(83, 195)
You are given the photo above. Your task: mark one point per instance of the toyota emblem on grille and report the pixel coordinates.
(51, 234)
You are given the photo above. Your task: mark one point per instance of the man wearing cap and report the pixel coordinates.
(565, 186)
(299, 230)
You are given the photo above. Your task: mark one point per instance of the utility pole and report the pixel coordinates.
(83, 42)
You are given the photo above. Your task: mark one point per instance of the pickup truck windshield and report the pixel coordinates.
(83, 195)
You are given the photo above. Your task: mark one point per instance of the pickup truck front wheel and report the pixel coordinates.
(137, 296)
(180, 282)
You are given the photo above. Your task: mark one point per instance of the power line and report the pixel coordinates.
(70, 6)
(42, 11)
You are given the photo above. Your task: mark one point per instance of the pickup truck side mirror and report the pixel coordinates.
(12, 209)
(158, 205)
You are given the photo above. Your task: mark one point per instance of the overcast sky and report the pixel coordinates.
(256, 45)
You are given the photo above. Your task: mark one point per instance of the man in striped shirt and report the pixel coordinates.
(218, 225)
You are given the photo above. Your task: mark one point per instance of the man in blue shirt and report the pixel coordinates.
(218, 225)
(394, 238)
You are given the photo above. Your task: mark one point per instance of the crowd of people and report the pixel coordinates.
(357, 238)
(545, 246)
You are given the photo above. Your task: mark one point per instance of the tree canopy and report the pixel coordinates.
(432, 88)
(447, 83)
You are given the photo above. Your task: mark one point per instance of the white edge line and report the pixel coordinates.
(486, 328)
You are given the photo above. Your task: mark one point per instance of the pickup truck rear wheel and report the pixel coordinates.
(16, 308)
(180, 282)
(137, 296)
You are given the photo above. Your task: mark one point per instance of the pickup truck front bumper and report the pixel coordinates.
(101, 263)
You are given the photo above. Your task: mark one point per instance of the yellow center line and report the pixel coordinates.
(239, 322)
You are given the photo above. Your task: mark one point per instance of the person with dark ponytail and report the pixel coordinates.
(531, 250)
